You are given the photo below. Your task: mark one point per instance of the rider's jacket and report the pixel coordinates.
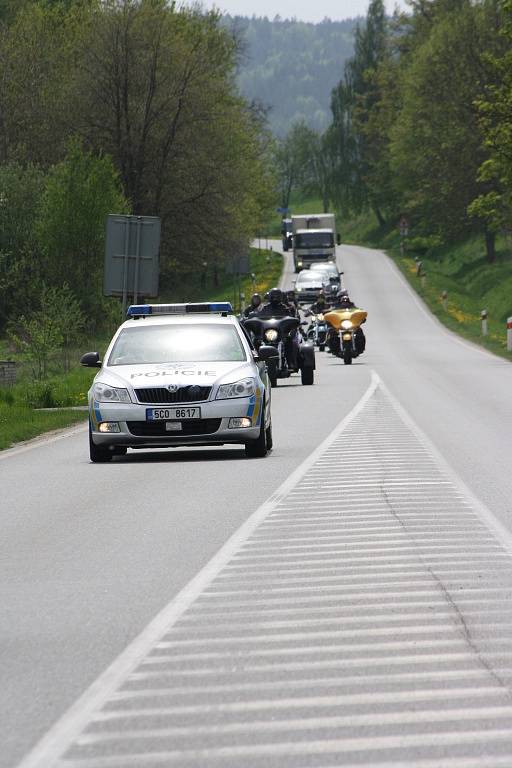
(275, 310)
(317, 308)
(251, 310)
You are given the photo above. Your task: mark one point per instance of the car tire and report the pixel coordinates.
(97, 453)
(272, 375)
(258, 448)
(307, 375)
(268, 434)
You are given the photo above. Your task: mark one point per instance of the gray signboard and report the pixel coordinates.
(238, 265)
(132, 251)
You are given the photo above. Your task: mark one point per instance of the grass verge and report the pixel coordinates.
(19, 423)
(461, 270)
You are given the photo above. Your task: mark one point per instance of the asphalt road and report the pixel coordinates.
(91, 553)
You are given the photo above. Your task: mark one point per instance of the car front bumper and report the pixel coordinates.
(136, 431)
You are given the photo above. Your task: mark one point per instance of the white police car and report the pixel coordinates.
(179, 374)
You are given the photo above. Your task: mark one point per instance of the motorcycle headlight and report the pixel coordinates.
(320, 318)
(346, 324)
(103, 393)
(271, 335)
(242, 388)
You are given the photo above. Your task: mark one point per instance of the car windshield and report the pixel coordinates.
(314, 240)
(324, 269)
(310, 277)
(177, 343)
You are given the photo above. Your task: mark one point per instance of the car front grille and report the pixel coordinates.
(157, 428)
(190, 394)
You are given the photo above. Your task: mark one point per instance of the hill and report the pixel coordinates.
(291, 66)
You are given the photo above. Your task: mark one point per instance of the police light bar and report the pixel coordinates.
(145, 310)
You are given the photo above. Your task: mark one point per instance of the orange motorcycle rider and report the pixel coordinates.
(344, 314)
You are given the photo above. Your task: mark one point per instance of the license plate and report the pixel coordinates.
(167, 414)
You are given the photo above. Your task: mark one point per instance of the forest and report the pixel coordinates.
(420, 125)
(118, 106)
(290, 67)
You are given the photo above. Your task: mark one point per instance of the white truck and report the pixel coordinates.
(314, 239)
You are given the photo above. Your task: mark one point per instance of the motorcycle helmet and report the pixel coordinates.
(290, 295)
(255, 300)
(275, 296)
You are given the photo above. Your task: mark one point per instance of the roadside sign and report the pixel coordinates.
(132, 253)
(238, 265)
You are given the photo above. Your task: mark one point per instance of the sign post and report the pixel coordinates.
(132, 254)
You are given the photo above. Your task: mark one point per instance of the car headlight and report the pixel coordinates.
(346, 324)
(271, 335)
(242, 388)
(103, 393)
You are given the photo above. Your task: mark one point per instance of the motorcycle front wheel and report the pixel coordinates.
(347, 357)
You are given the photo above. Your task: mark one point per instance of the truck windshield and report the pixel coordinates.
(314, 240)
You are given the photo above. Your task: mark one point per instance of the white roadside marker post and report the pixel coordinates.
(483, 316)
(509, 334)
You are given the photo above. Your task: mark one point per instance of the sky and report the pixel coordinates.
(302, 10)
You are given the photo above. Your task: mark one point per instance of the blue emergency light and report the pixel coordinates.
(144, 310)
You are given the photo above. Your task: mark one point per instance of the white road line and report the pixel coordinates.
(304, 747)
(65, 731)
(338, 722)
(428, 678)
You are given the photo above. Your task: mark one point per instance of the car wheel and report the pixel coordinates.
(268, 434)
(258, 448)
(307, 375)
(97, 453)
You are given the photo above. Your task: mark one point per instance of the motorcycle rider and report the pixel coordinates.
(320, 305)
(343, 301)
(291, 301)
(276, 307)
(254, 307)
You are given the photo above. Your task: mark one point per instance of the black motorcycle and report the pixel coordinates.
(281, 333)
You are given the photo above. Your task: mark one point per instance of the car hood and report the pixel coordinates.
(182, 374)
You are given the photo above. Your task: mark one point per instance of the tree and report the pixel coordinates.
(351, 105)
(436, 143)
(79, 193)
(494, 206)
(20, 191)
(156, 93)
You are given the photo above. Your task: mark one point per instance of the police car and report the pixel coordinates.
(179, 374)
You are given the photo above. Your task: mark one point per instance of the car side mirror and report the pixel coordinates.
(266, 352)
(91, 360)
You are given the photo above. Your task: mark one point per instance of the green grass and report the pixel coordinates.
(19, 423)
(461, 269)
